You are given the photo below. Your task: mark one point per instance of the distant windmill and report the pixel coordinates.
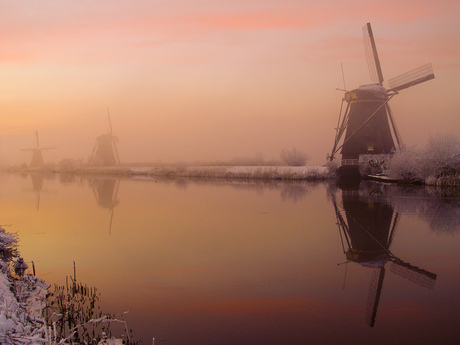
(37, 156)
(105, 151)
(367, 122)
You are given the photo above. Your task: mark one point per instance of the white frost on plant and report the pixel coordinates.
(238, 172)
(440, 158)
(21, 303)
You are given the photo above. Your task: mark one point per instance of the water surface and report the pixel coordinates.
(248, 262)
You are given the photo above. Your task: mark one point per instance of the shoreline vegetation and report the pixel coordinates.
(32, 314)
(436, 164)
(256, 172)
(218, 172)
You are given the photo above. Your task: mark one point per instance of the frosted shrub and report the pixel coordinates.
(294, 157)
(441, 157)
(406, 164)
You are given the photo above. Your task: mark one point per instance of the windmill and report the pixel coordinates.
(105, 151)
(367, 230)
(37, 156)
(367, 127)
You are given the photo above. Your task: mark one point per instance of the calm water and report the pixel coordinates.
(218, 262)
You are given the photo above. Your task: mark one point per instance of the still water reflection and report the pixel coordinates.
(237, 262)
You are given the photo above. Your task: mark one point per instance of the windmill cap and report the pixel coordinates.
(371, 91)
(375, 90)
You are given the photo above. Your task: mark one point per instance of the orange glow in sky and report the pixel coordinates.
(213, 80)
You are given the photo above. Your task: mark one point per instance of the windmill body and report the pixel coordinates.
(37, 158)
(367, 129)
(105, 151)
(366, 135)
(37, 155)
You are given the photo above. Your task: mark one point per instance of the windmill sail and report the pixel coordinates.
(411, 78)
(372, 57)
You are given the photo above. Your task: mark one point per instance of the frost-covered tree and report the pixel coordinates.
(440, 158)
(406, 164)
(294, 157)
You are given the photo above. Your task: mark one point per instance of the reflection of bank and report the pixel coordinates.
(106, 193)
(367, 229)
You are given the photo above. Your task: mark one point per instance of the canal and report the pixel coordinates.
(248, 262)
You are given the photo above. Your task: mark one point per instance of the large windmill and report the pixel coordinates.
(367, 225)
(105, 151)
(367, 121)
(37, 156)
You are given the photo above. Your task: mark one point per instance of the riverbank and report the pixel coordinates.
(22, 300)
(227, 172)
(306, 173)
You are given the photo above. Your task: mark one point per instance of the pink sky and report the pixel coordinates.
(209, 80)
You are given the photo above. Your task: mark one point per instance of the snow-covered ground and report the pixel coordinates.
(22, 301)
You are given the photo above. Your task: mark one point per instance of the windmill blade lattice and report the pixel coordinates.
(411, 78)
(372, 57)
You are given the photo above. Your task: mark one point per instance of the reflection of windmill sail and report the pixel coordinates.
(373, 298)
(413, 273)
(106, 192)
(105, 151)
(368, 227)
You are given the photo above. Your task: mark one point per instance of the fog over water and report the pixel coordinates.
(207, 81)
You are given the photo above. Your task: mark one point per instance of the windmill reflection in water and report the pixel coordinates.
(106, 194)
(367, 225)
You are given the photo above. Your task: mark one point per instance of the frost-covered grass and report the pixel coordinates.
(227, 172)
(240, 172)
(72, 317)
(436, 164)
(22, 300)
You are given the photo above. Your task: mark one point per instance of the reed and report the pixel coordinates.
(75, 316)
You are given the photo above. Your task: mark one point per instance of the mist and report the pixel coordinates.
(183, 87)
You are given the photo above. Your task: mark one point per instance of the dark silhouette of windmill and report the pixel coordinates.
(367, 230)
(367, 127)
(37, 156)
(105, 151)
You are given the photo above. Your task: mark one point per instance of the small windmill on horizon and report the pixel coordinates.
(105, 151)
(37, 156)
(367, 127)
